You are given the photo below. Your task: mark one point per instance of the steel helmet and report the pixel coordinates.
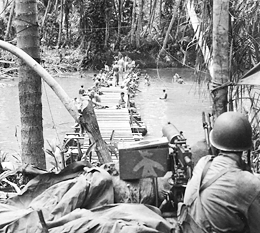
(231, 132)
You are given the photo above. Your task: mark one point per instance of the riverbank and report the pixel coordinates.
(67, 60)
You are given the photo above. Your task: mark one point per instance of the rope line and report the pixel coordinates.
(17, 139)
(54, 125)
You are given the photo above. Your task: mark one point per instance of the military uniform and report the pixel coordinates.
(221, 196)
(232, 202)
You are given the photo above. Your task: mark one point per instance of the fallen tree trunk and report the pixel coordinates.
(68, 102)
(65, 99)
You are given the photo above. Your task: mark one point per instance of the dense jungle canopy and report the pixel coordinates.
(96, 30)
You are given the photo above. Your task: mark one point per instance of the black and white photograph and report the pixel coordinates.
(129, 116)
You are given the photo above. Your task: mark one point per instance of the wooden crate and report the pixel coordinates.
(142, 159)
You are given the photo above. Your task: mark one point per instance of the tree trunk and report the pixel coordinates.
(107, 28)
(56, 5)
(151, 19)
(46, 12)
(66, 19)
(174, 14)
(133, 24)
(82, 26)
(119, 18)
(139, 23)
(220, 56)
(107, 34)
(160, 13)
(61, 24)
(30, 86)
(9, 24)
(65, 99)
(150, 7)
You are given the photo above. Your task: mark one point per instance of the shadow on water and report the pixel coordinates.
(182, 108)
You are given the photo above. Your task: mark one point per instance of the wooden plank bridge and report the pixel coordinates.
(114, 123)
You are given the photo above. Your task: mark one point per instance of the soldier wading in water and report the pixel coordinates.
(222, 196)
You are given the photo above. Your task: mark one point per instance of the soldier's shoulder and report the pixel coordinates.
(249, 181)
(202, 161)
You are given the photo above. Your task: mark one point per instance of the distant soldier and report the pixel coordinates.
(116, 76)
(107, 68)
(147, 80)
(122, 102)
(81, 90)
(121, 63)
(180, 80)
(165, 95)
(95, 98)
(133, 65)
(176, 77)
(125, 63)
(222, 195)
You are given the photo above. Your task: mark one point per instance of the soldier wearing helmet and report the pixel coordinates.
(221, 196)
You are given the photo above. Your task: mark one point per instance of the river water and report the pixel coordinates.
(183, 107)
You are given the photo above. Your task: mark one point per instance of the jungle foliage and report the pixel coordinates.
(98, 29)
(91, 32)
